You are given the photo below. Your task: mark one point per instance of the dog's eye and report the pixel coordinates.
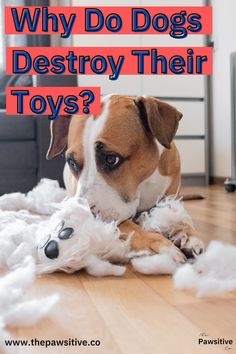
(112, 160)
(108, 161)
(73, 165)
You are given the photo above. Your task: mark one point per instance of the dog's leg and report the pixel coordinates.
(153, 243)
(176, 225)
(184, 236)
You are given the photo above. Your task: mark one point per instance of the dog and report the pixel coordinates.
(122, 162)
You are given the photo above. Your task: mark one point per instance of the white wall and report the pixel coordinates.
(224, 35)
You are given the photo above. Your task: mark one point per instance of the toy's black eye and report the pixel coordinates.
(74, 166)
(112, 160)
(51, 250)
(66, 233)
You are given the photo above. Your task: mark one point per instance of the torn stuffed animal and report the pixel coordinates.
(63, 235)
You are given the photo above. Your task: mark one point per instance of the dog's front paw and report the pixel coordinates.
(193, 247)
(179, 239)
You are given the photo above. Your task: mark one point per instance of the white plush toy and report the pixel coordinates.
(73, 239)
(63, 234)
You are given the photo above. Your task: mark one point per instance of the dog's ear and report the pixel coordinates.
(59, 132)
(159, 119)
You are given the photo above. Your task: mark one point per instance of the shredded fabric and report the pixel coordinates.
(214, 271)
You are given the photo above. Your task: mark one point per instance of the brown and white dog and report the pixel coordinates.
(122, 162)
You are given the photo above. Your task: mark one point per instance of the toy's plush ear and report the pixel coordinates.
(59, 133)
(159, 119)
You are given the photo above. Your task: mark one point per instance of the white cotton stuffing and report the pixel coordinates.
(26, 313)
(45, 195)
(15, 308)
(214, 271)
(165, 216)
(16, 240)
(156, 264)
(40, 200)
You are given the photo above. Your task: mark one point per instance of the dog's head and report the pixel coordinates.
(112, 154)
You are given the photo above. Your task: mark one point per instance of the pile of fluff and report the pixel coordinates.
(16, 307)
(167, 216)
(214, 271)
